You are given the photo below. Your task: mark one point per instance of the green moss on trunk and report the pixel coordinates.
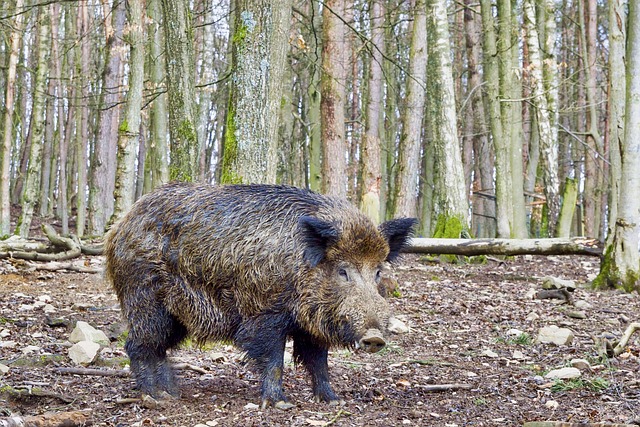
(230, 153)
(448, 227)
(610, 276)
(182, 165)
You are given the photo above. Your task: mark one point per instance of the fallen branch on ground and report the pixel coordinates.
(60, 419)
(57, 266)
(445, 387)
(94, 372)
(472, 247)
(625, 338)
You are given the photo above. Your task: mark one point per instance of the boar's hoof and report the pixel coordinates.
(372, 341)
(337, 403)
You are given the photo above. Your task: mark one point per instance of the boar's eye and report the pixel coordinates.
(378, 276)
(343, 273)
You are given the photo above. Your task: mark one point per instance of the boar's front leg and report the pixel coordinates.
(265, 344)
(314, 358)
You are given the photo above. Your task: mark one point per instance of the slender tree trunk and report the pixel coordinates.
(451, 194)
(406, 186)
(129, 130)
(617, 86)
(32, 186)
(595, 147)
(7, 122)
(483, 208)
(157, 156)
(101, 183)
(178, 32)
(621, 264)
(333, 97)
(371, 152)
(548, 144)
(82, 137)
(259, 57)
(206, 93)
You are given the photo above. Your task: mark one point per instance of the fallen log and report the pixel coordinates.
(472, 247)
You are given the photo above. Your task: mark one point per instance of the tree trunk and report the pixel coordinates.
(180, 63)
(101, 184)
(332, 99)
(548, 142)
(450, 192)
(621, 264)
(7, 120)
(157, 162)
(260, 43)
(371, 151)
(406, 186)
(32, 185)
(129, 130)
(82, 131)
(594, 149)
(615, 121)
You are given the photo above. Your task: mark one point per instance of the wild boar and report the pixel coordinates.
(255, 265)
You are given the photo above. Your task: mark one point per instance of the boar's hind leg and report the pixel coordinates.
(152, 333)
(314, 358)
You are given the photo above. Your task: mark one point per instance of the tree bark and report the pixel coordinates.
(260, 44)
(371, 150)
(332, 99)
(548, 141)
(406, 185)
(129, 130)
(82, 119)
(621, 264)
(450, 192)
(32, 185)
(157, 163)
(101, 183)
(7, 120)
(615, 121)
(180, 63)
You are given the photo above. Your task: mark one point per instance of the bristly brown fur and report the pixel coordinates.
(249, 264)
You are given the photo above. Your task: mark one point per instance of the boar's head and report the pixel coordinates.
(339, 300)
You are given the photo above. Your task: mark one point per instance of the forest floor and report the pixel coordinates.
(459, 316)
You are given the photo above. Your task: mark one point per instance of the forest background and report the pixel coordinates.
(507, 118)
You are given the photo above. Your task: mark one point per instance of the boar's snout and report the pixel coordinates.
(372, 341)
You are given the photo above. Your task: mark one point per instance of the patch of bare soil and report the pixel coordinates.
(460, 318)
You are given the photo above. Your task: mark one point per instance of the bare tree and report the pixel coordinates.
(450, 193)
(178, 31)
(406, 186)
(371, 152)
(332, 100)
(621, 264)
(32, 186)
(7, 122)
(260, 44)
(129, 130)
(101, 183)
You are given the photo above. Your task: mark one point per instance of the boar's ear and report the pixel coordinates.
(318, 236)
(397, 232)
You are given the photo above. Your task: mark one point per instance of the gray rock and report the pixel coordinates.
(581, 364)
(563, 374)
(576, 314)
(555, 335)
(550, 282)
(397, 326)
(84, 352)
(3, 369)
(582, 305)
(85, 332)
